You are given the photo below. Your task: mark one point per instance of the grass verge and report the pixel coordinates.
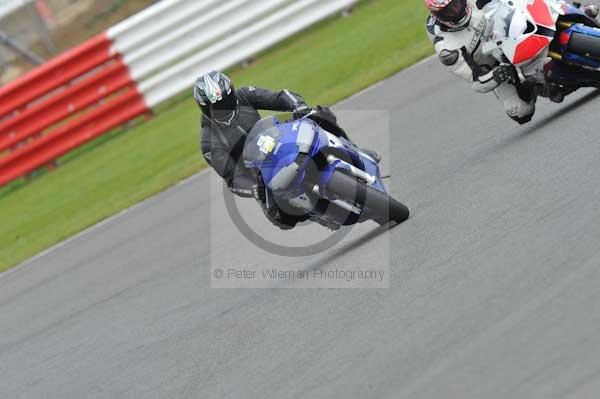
(326, 63)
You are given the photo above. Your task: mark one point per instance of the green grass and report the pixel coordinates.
(326, 63)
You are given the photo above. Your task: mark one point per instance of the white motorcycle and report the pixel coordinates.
(554, 45)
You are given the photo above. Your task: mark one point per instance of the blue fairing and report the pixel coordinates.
(576, 15)
(579, 59)
(284, 151)
(273, 145)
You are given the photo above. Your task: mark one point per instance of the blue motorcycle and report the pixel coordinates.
(311, 171)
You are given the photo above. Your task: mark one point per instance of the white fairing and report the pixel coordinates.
(518, 25)
(510, 24)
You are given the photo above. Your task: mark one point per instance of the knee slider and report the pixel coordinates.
(521, 120)
(448, 57)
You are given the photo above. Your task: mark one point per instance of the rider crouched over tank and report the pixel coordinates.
(456, 28)
(228, 115)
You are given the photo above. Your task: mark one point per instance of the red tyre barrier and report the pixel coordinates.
(49, 111)
(75, 133)
(53, 74)
(73, 99)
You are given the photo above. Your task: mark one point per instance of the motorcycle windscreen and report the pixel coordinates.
(260, 144)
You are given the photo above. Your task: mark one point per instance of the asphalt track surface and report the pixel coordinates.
(494, 282)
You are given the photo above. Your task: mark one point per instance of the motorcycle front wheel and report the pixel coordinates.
(382, 207)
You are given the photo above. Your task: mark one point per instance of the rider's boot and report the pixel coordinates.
(557, 96)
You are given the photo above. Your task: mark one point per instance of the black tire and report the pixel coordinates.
(384, 207)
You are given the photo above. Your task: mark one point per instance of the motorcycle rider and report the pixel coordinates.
(228, 115)
(456, 28)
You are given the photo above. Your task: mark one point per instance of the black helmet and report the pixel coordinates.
(215, 94)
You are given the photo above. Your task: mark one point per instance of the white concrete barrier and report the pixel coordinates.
(169, 44)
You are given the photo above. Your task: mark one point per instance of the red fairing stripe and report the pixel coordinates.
(530, 48)
(541, 14)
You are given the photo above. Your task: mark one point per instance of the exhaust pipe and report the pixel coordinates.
(354, 171)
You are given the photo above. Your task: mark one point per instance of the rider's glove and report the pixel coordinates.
(506, 73)
(301, 111)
